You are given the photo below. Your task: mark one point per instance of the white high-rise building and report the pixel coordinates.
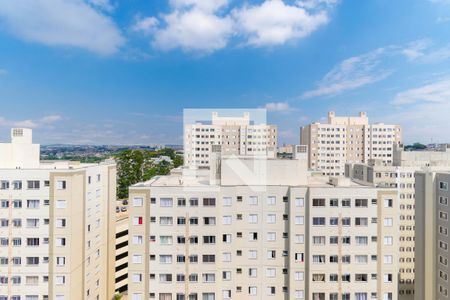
(432, 235)
(400, 175)
(236, 135)
(255, 228)
(343, 140)
(57, 225)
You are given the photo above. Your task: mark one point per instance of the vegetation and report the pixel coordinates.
(82, 159)
(415, 146)
(118, 296)
(134, 166)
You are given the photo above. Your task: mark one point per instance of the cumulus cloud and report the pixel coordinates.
(72, 23)
(145, 25)
(274, 22)
(277, 106)
(437, 92)
(211, 25)
(194, 29)
(352, 73)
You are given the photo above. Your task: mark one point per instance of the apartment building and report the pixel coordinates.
(400, 175)
(236, 135)
(121, 266)
(432, 239)
(55, 225)
(254, 228)
(344, 140)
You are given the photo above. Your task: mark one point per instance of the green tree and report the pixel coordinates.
(134, 166)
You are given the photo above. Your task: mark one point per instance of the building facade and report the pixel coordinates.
(400, 176)
(344, 140)
(121, 266)
(432, 238)
(55, 225)
(268, 229)
(236, 135)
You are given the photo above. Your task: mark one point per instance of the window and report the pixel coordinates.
(253, 200)
(193, 202)
(271, 236)
(60, 280)
(361, 221)
(346, 203)
(443, 185)
(33, 203)
(137, 259)
(209, 277)
(361, 203)
(4, 203)
(299, 276)
(299, 202)
(319, 202)
(17, 203)
(137, 240)
(253, 218)
(252, 254)
(60, 223)
(60, 261)
(388, 259)
(33, 184)
(299, 220)
(319, 259)
(137, 202)
(387, 203)
(61, 204)
(271, 200)
(4, 185)
(209, 220)
(61, 185)
(299, 257)
(226, 220)
(388, 240)
(165, 240)
(300, 294)
(318, 240)
(388, 222)
(226, 201)
(361, 240)
(60, 242)
(209, 201)
(318, 221)
(252, 290)
(271, 218)
(361, 259)
(32, 241)
(387, 278)
(166, 202)
(299, 239)
(137, 220)
(334, 202)
(32, 223)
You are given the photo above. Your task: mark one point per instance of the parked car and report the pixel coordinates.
(117, 209)
(123, 208)
(125, 202)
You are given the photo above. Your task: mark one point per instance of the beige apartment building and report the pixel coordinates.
(400, 175)
(344, 140)
(56, 225)
(432, 237)
(236, 135)
(255, 228)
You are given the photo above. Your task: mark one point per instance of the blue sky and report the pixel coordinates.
(122, 71)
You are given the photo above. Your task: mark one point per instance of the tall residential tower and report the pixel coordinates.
(57, 225)
(343, 140)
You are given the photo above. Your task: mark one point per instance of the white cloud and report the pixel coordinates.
(437, 92)
(277, 106)
(207, 26)
(194, 29)
(72, 23)
(102, 4)
(209, 5)
(416, 49)
(274, 22)
(145, 25)
(29, 123)
(352, 73)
